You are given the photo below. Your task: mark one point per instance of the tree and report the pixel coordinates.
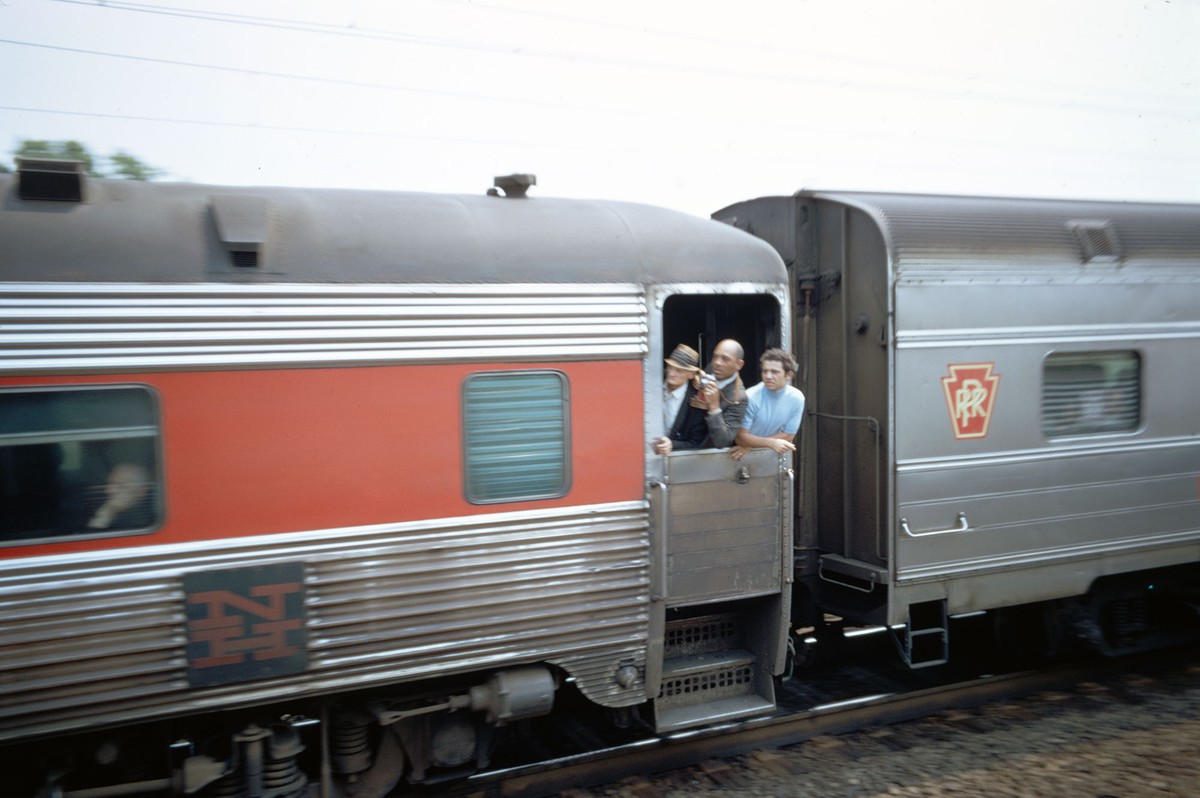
(129, 168)
(122, 164)
(61, 150)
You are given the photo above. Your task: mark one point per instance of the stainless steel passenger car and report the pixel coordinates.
(393, 481)
(1002, 412)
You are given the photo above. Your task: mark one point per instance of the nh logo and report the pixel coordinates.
(245, 623)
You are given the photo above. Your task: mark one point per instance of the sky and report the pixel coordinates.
(690, 105)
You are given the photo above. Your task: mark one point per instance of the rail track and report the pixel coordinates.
(834, 695)
(896, 696)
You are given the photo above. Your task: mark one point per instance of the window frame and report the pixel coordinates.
(153, 432)
(1058, 426)
(470, 483)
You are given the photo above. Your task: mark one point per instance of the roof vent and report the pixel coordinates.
(46, 179)
(242, 225)
(1097, 240)
(513, 186)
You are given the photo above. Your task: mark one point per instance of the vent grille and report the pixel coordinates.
(244, 259)
(701, 635)
(1097, 241)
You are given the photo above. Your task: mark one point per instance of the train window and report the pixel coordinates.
(702, 320)
(515, 436)
(1090, 393)
(78, 462)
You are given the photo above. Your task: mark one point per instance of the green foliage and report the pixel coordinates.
(130, 168)
(121, 164)
(63, 150)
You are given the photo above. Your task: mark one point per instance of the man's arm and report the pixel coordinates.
(723, 426)
(780, 442)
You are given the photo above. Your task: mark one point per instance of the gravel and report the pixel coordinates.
(1132, 737)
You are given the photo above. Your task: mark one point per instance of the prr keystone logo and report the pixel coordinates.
(970, 394)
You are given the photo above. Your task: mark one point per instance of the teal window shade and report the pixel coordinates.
(1091, 393)
(516, 440)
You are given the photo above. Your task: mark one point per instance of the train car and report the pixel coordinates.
(313, 491)
(1001, 415)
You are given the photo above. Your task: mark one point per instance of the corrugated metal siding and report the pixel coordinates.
(1010, 236)
(46, 328)
(1089, 505)
(101, 638)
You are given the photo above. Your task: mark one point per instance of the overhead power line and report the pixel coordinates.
(1166, 106)
(254, 125)
(260, 22)
(507, 100)
(1173, 111)
(870, 137)
(362, 84)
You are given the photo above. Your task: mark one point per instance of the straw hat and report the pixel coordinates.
(684, 357)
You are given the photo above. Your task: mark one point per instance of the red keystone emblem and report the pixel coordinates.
(970, 393)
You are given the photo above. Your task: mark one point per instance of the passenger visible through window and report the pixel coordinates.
(78, 461)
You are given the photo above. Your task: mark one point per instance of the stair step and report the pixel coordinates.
(927, 635)
(709, 661)
(707, 677)
(711, 687)
(720, 711)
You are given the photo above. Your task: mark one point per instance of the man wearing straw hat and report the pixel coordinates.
(685, 426)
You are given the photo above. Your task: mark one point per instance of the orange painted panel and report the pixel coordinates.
(260, 452)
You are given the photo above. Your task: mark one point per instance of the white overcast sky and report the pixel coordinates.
(691, 105)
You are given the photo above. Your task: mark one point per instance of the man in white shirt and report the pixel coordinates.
(774, 408)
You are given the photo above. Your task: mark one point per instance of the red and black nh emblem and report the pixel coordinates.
(245, 623)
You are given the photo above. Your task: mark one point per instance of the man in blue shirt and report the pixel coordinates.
(774, 408)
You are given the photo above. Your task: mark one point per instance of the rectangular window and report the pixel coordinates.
(1091, 393)
(515, 436)
(78, 461)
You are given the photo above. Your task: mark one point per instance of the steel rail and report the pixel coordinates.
(688, 748)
